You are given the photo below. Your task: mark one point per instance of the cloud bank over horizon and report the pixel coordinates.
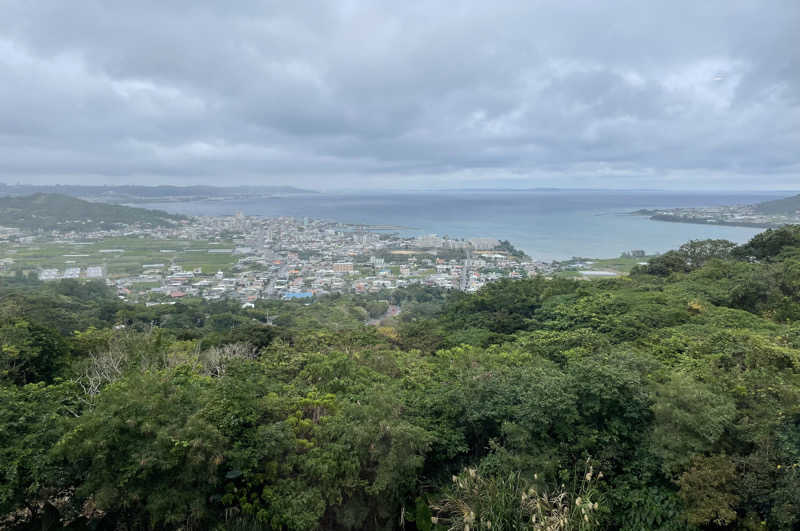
(361, 94)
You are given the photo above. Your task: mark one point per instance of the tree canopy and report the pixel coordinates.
(668, 399)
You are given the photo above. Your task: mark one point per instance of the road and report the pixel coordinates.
(464, 284)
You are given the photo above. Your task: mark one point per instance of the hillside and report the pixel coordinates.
(780, 207)
(61, 212)
(666, 400)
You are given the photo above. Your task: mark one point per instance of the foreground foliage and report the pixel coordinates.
(497, 410)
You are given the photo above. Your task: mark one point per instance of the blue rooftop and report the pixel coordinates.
(301, 295)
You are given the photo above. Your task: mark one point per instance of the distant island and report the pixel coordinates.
(767, 214)
(64, 213)
(151, 194)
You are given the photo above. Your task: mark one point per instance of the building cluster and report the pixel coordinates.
(90, 272)
(290, 258)
(743, 215)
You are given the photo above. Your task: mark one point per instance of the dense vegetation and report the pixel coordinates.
(65, 213)
(785, 206)
(667, 400)
(507, 247)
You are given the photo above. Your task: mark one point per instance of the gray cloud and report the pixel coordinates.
(402, 94)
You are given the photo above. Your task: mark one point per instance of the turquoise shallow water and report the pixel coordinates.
(547, 225)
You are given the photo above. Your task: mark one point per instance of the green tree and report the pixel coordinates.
(30, 352)
(770, 243)
(144, 455)
(32, 419)
(707, 490)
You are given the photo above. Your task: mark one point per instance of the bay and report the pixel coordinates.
(546, 224)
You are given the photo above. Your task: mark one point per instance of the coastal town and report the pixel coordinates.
(767, 214)
(246, 258)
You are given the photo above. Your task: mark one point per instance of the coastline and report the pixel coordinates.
(720, 223)
(547, 226)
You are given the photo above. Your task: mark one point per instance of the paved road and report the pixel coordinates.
(465, 272)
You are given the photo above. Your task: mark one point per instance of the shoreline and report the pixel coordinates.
(695, 221)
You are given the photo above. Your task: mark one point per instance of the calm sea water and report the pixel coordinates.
(546, 224)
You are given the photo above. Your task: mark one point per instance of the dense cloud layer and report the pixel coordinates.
(401, 94)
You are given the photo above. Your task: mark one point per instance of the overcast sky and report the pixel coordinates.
(402, 94)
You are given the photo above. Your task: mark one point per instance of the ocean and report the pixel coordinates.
(546, 224)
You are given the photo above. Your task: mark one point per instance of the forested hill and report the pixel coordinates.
(64, 213)
(786, 206)
(666, 400)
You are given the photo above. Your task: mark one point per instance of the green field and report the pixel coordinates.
(622, 265)
(120, 256)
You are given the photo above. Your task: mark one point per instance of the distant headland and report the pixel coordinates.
(151, 194)
(767, 214)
